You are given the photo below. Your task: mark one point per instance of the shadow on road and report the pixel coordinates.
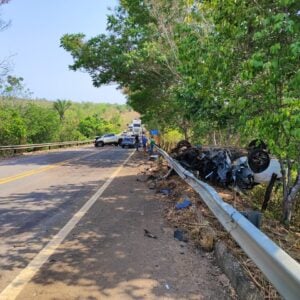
(77, 157)
(107, 256)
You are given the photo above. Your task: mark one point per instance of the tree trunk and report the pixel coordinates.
(214, 137)
(269, 192)
(289, 201)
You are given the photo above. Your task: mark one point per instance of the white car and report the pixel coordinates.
(108, 139)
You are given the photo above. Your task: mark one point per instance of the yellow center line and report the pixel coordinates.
(39, 170)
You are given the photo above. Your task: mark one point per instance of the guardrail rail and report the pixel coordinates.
(280, 269)
(16, 148)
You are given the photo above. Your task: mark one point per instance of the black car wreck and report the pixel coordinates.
(238, 168)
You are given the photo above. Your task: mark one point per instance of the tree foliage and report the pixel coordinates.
(61, 106)
(36, 121)
(214, 70)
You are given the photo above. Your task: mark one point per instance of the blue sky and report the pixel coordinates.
(33, 42)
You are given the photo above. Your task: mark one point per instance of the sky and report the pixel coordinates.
(32, 44)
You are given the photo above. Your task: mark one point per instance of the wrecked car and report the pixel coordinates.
(228, 167)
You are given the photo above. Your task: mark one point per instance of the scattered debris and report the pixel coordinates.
(153, 157)
(166, 191)
(184, 204)
(180, 235)
(151, 177)
(147, 233)
(151, 185)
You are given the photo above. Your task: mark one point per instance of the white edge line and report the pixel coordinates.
(16, 286)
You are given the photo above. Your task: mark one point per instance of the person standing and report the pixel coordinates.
(137, 143)
(144, 142)
(152, 144)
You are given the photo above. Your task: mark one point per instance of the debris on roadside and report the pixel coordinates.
(183, 204)
(153, 157)
(151, 185)
(151, 177)
(181, 235)
(166, 191)
(148, 234)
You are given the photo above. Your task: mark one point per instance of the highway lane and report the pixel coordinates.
(35, 206)
(17, 166)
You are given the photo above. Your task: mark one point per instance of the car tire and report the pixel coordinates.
(123, 147)
(100, 144)
(258, 160)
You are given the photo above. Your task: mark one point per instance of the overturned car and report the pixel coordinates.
(229, 167)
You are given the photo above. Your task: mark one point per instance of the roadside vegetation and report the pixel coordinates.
(40, 121)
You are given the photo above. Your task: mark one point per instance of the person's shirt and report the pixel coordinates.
(144, 140)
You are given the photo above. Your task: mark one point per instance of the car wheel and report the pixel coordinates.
(101, 144)
(258, 160)
(123, 146)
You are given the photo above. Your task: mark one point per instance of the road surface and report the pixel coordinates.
(72, 227)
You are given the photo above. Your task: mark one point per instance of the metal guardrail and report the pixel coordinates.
(45, 145)
(280, 269)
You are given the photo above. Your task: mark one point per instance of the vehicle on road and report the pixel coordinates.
(128, 142)
(136, 127)
(108, 139)
(96, 137)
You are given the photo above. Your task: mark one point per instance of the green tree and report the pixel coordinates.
(42, 124)
(61, 106)
(12, 126)
(93, 125)
(208, 69)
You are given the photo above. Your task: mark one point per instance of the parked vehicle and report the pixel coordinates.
(108, 139)
(136, 127)
(96, 137)
(128, 142)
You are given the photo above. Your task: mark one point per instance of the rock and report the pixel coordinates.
(204, 237)
(241, 282)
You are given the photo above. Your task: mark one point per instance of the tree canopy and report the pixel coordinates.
(214, 70)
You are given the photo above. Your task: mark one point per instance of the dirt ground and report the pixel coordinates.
(108, 256)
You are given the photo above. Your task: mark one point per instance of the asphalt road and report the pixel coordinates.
(71, 227)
